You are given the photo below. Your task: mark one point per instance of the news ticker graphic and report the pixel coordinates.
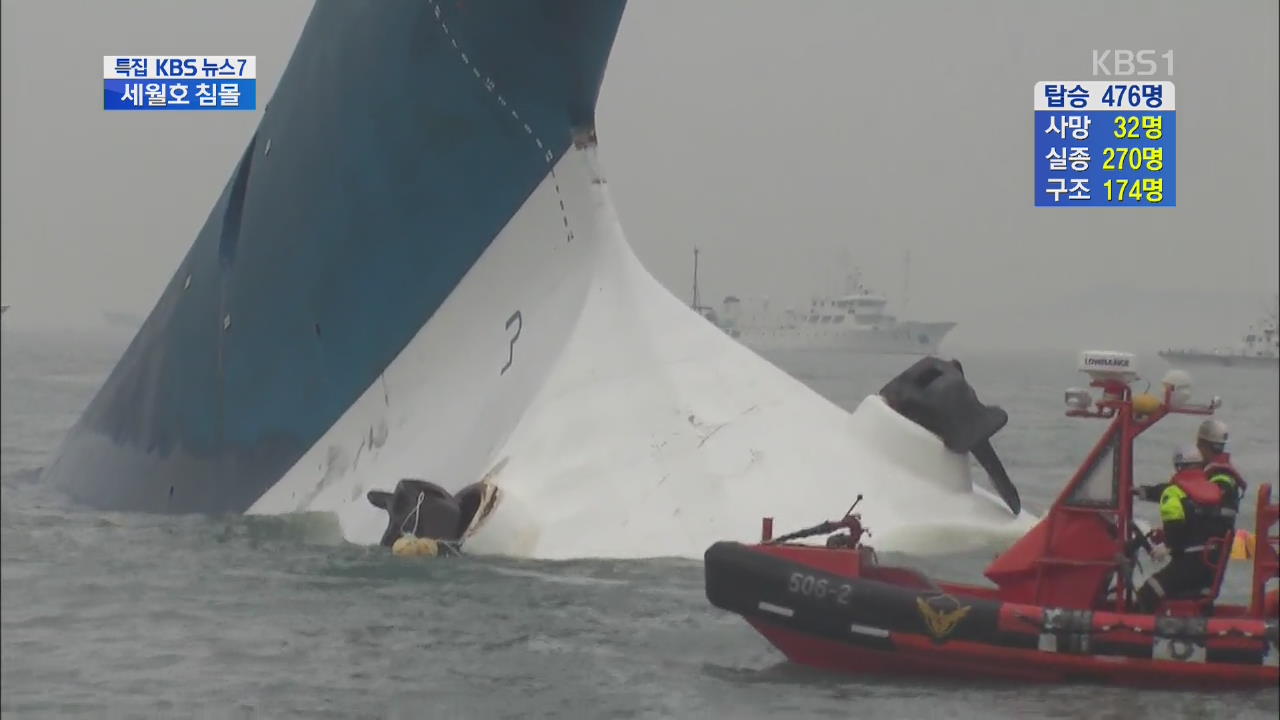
(1105, 144)
(179, 82)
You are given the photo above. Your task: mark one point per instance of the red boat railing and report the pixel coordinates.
(1266, 564)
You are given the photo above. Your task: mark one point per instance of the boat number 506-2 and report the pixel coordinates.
(810, 586)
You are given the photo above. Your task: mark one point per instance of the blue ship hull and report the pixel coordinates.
(386, 162)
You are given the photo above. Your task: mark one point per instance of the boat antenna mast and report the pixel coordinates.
(854, 505)
(695, 278)
(697, 305)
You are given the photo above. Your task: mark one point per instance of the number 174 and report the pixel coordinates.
(1152, 188)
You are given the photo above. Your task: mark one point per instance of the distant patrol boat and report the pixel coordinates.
(1257, 348)
(853, 322)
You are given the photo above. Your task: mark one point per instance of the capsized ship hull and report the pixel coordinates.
(402, 137)
(416, 272)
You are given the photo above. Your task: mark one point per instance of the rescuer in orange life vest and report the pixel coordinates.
(1197, 505)
(1211, 441)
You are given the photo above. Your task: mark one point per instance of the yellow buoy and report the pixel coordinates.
(1242, 545)
(1145, 404)
(410, 546)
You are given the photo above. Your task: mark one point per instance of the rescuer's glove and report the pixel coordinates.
(1150, 493)
(1160, 553)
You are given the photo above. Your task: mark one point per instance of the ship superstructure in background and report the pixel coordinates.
(856, 321)
(416, 272)
(1259, 347)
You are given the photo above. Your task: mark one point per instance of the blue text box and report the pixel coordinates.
(1105, 158)
(179, 94)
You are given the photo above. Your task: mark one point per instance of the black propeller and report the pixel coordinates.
(424, 509)
(934, 394)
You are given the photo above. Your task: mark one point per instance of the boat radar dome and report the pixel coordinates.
(1178, 383)
(1103, 365)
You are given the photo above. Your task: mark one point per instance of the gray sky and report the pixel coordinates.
(776, 136)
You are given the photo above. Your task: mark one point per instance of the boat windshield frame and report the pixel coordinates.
(1062, 562)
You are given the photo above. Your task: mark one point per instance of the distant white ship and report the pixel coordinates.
(854, 322)
(1258, 348)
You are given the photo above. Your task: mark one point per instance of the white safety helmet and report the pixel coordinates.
(1187, 456)
(1213, 431)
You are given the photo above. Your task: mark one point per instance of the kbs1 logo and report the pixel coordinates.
(1123, 63)
(184, 82)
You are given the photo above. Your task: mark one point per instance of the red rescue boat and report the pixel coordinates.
(1061, 604)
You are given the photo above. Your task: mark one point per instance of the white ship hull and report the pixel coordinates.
(626, 426)
(904, 338)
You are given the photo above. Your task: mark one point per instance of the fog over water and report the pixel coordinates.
(782, 139)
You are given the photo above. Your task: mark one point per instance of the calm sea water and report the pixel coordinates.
(123, 615)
